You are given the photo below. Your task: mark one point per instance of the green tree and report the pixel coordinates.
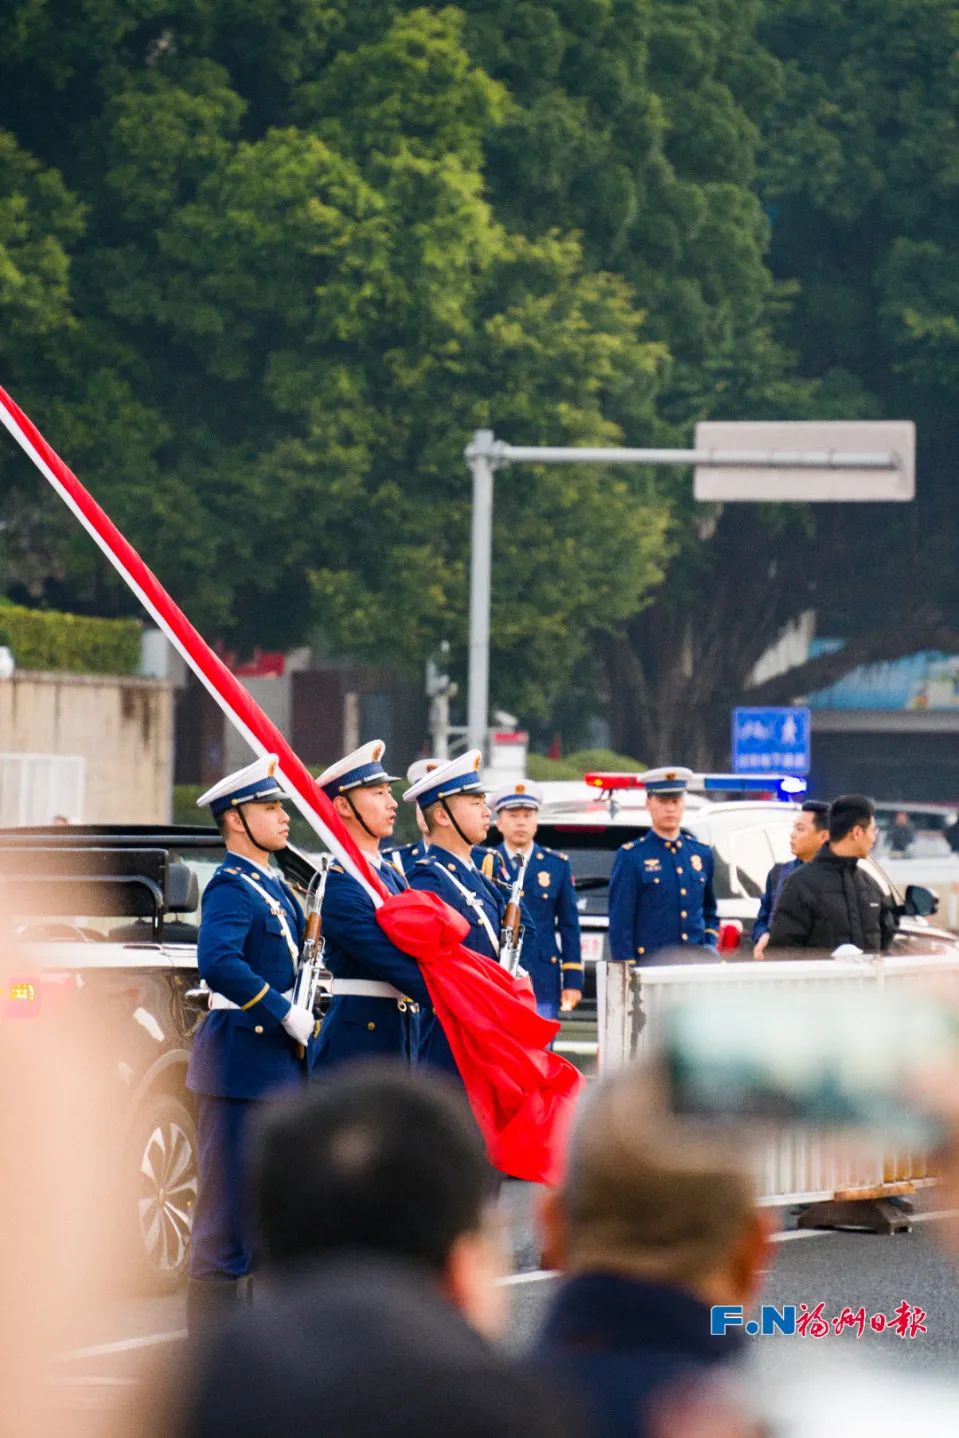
(860, 166)
(298, 303)
(640, 124)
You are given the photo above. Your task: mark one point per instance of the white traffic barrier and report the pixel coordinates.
(793, 1166)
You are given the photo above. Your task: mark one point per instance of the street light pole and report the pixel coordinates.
(845, 456)
(480, 461)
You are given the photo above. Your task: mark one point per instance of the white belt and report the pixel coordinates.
(342, 988)
(220, 1001)
(366, 989)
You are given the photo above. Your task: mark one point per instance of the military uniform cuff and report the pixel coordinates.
(256, 998)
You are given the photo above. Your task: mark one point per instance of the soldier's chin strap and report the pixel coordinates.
(452, 819)
(359, 817)
(257, 843)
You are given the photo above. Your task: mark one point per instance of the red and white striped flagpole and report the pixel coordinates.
(239, 706)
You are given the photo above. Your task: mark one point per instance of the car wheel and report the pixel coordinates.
(163, 1167)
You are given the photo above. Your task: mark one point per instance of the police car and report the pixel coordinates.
(589, 820)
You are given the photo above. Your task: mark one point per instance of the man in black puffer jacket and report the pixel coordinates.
(831, 900)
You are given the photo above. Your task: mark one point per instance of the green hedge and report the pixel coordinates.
(574, 766)
(185, 810)
(76, 643)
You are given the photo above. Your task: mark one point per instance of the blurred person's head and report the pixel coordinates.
(852, 826)
(357, 1348)
(810, 830)
(376, 1161)
(650, 1198)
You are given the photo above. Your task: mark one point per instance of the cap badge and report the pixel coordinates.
(521, 788)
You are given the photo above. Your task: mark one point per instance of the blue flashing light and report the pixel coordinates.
(792, 784)
(739, 783)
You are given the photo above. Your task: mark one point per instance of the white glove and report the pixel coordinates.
(299, 1025)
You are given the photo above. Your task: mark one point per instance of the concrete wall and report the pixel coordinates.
(122, 728)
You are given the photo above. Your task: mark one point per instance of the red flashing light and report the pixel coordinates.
(609, 782)
(21, 999)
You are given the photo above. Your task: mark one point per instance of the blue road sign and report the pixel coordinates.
(771, 741)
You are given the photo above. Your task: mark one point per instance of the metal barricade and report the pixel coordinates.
(793, 1166)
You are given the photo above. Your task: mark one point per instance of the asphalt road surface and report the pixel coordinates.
(838, 1270)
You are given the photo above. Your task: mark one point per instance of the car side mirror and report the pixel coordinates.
(920, 902)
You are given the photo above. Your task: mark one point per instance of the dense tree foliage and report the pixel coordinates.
(278, 301)
(266, 264)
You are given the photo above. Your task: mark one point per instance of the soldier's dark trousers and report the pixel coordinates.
(222, 1242)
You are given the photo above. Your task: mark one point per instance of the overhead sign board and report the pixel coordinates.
(771, 741)
(835, 460)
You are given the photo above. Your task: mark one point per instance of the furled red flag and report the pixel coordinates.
(521, 1094)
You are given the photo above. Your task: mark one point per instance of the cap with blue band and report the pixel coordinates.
(357, 770)
(522, 795)
(256, 784)
(459, 776)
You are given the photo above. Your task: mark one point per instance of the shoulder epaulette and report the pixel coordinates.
(336, 868)
(627, 846)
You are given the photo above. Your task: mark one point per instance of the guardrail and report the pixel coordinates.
(793, 1167)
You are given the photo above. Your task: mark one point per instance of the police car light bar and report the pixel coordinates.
(609, 782)
(706, 783)
(749, 783)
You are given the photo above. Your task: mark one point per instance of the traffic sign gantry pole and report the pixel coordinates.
(834, 461)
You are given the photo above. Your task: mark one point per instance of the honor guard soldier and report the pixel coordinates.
(251, 1043)
(404, 856)
(377, 989)
(661, 888)
(453, 801)
(555, 968)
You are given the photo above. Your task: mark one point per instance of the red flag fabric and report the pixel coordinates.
(521, 1095)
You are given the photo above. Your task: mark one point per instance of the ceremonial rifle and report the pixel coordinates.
(511, 930)
(314, 981)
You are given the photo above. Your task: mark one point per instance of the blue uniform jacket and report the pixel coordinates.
(433, 873)
(775, 880)
(622, 1346)
(404, 856)
(661, 896)
(357, 948)
(551, 902)
(242, 953)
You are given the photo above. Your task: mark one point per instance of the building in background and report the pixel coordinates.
(88, 748)
(324, 708)
(890, 729)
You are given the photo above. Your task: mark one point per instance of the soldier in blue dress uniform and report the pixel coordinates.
(377, 989)
(661, 888)
(249, 1045)
(452, 799)
(551, 954)
(404, 856)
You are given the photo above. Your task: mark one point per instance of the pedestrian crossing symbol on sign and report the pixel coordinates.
(771, 741)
